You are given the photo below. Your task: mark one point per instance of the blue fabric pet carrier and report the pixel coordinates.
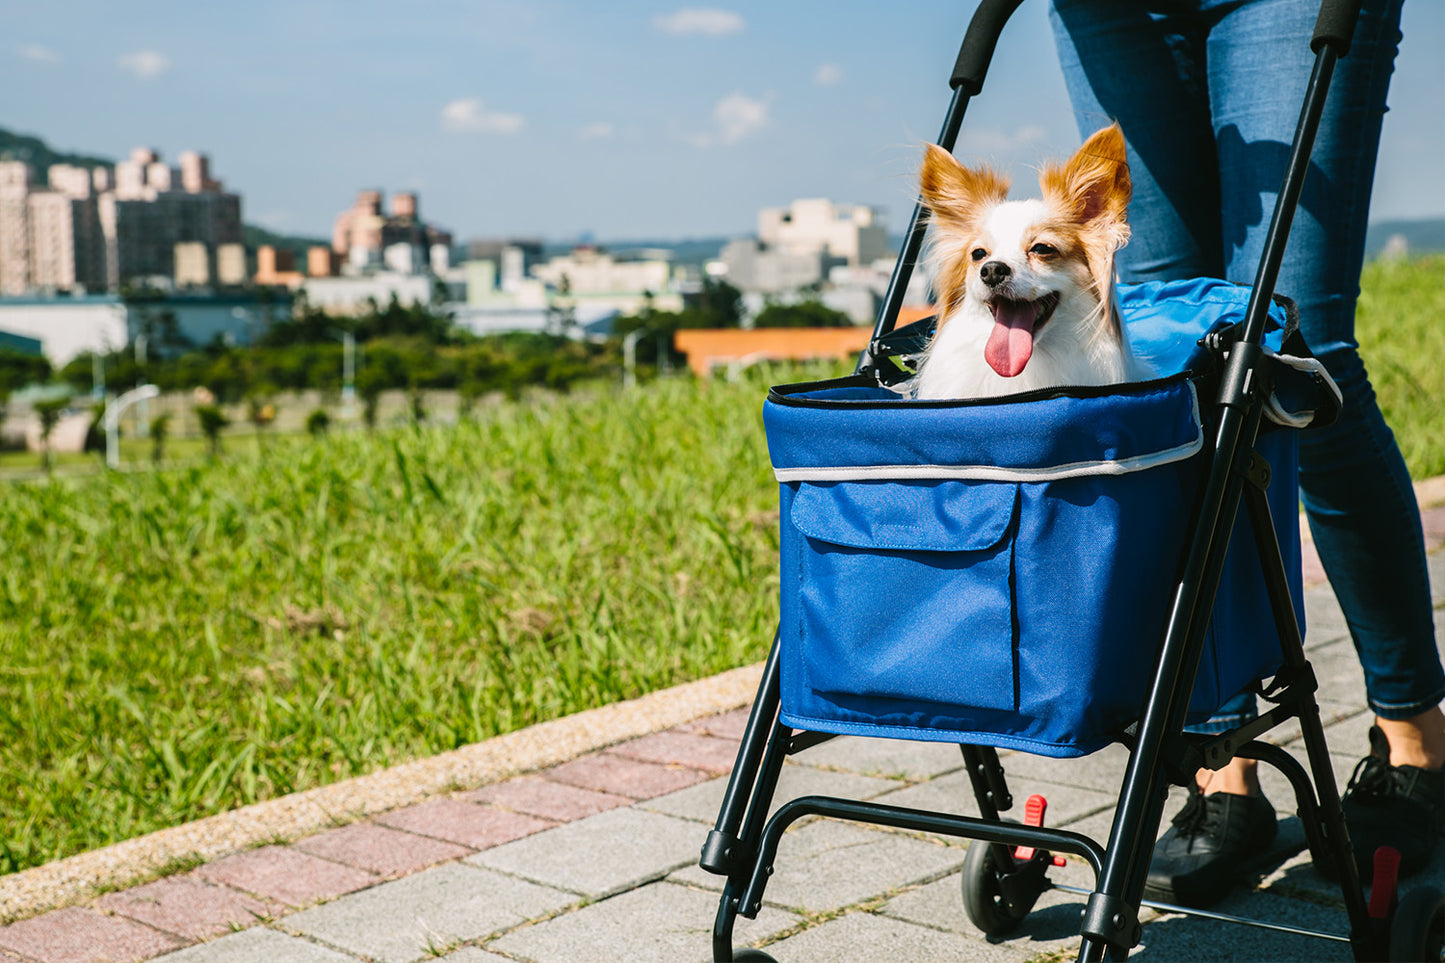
(999, 572)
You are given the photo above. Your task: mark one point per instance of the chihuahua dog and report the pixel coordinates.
(1025, 289)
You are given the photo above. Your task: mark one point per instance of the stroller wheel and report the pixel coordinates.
(1417, 931)
(983, 898)
(752, 956)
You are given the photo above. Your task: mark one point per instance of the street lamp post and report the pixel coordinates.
(112, 419)
(348, 372)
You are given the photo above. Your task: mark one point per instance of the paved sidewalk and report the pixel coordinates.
(595, 859)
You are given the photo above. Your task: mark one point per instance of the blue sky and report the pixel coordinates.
(626, 119)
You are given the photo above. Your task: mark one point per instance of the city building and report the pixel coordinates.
(67, 326)
(349, 294)
(201, 266)
(49, 236)
(851, 233)
(753, 267)
(277, 267)
(590, 283)
(365, 238)
(153, 207)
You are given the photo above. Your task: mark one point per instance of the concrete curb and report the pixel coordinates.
(75, 878)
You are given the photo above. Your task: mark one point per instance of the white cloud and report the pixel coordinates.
(735, 118)
(470, 114)
(39, 54)
(739, 116)
(828, 75)
(598, 130)
(145, 64)
(707, 21)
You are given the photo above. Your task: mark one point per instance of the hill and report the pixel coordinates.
(1425, 236)
(40, 155)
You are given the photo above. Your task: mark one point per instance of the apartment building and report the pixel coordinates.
(95, 229)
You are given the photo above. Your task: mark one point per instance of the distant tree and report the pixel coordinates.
(318, 422)
(804, 314)
(160, 426)
(717, 304)
(469, 392)
(49, 414)
(260, 412)
(369, 384)
(18, 370)
(417, 401)
(95, 431)
(213, 421)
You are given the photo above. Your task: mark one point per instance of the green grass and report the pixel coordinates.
(1401, 329)
(178, 643)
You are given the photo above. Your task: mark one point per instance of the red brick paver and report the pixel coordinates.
(286, 874)
(78, 935)
(550, 800)
(682, 749)
(726, 725)
(466, 823)
(377, 849)
(625, 777)
(187, 906)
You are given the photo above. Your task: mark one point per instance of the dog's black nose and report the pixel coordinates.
(994, 273)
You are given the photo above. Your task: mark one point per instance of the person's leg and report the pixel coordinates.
(1146, 70)
(1354, 484)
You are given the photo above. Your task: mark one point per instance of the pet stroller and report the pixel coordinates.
(1054, 572)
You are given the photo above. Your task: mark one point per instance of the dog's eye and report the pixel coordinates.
(978, 254)
(1044, 250)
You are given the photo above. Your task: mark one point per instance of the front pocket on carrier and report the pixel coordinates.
(948, 548)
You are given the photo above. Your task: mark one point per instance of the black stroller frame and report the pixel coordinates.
(1000, 888)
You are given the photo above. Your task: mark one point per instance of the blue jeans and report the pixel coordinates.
(1208, 93)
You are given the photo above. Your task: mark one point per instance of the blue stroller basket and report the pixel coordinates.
(1052, 572)
(999, 572)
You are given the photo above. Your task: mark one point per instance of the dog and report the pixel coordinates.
(1025, 289)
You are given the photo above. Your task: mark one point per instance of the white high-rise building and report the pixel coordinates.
(853, 233)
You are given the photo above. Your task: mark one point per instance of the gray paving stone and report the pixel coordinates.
(867, 938)
(954, 794)
(409, 919)
(826, 865)
(1324, 622)
(659, 923)
(702, 802)
(470, 954)
(1051, 927)
(253, 945)
(602, 854)
(1173, 938)
(889, 758)
(1101, 771)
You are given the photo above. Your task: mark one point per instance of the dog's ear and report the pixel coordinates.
(1094, 185)
(956, 194)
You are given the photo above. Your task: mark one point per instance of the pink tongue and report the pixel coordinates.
(1012, 340)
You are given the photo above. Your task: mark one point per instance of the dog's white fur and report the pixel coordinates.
(1059, 247)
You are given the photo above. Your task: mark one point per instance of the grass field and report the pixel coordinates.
(175, 643)
(1401, 329)
(181, 642)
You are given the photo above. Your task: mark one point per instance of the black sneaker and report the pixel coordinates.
(1215, 842)
(1399, 806)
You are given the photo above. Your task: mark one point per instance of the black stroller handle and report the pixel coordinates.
(978, 44)
(1336, 25)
